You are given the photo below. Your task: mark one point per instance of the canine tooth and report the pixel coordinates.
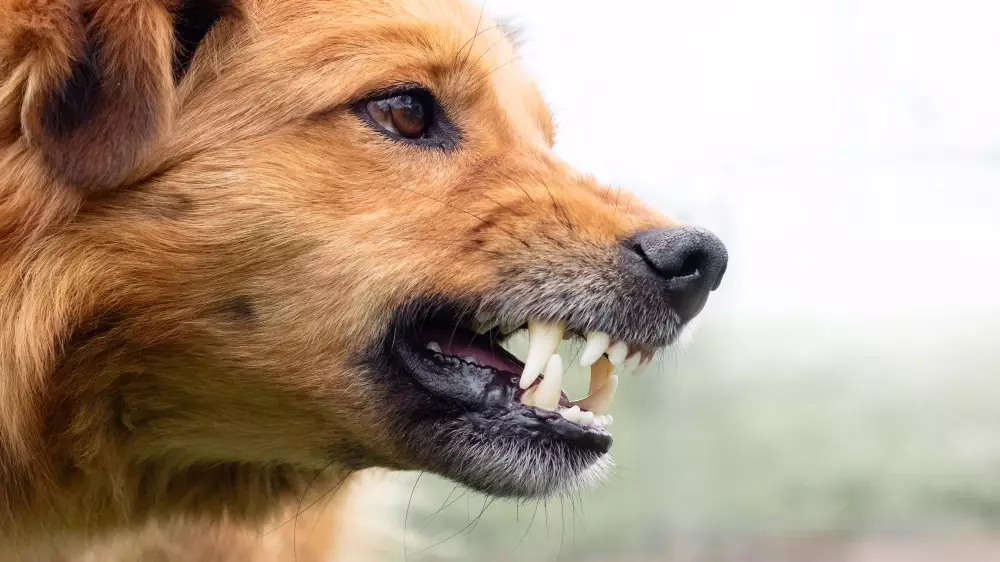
(528, 398)
(631, 364)
(600, 372)
(572, 414)
(543, 340)
(586, 418)
(550, 388)
(618, 352)
(597, 344)
(600, 401)
(604, 420)
(434, 346)
(469, 359)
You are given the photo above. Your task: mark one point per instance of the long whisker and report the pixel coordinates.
(471, 41)
(521, 187)
(298, 511)
(530, 523)
(444, 505)
(406, 516)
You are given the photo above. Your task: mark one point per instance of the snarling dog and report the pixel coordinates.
(246, 245)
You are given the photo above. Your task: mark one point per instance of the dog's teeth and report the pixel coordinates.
(528, 398)
(631, 364)
(550, 389)
(469, 359)
(600, 372)
(599, 402)
(434, 346)
(572, 414)
(597, 344)
(586, 418)
(543, 339)
(606, 420)
(617, 353)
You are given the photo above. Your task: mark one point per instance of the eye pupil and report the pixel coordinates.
(408, 117)
(404, 115)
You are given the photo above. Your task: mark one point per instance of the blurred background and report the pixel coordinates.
(841, 398)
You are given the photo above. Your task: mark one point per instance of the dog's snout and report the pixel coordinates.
(691, 262)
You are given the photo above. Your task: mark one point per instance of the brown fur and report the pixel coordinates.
(186, 269)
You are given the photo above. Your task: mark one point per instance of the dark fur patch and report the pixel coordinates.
(98, 326)
(240, 308)
(192, 22)
(68, 108)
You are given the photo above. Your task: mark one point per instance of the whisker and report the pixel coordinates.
(471, 524)
(298, 508)
(521, 187)
(444, 505)
(471, 41)
(406, 516)
(530, 523)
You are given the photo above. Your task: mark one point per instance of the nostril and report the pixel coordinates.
(693, 254)
(692, 264)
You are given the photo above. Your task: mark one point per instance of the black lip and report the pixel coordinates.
(465, 389)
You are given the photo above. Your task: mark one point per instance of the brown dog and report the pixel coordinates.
(248, 247)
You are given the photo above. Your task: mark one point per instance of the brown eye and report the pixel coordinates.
(404, 115)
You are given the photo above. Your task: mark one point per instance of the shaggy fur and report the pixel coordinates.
(198, 236)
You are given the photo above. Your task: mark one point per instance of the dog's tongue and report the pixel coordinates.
(471, 347)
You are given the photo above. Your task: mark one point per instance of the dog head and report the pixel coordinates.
(281, 236)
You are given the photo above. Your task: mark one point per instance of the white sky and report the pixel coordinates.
(848, 151)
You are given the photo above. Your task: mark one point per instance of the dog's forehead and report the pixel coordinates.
(355, 46)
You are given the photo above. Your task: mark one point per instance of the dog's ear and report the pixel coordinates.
(93, 80)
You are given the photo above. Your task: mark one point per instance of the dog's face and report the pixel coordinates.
(342, 211)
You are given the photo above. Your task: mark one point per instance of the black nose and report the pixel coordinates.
(689, 261)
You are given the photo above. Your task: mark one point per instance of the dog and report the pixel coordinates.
(249, 248)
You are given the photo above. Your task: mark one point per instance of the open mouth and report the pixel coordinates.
(481, 395)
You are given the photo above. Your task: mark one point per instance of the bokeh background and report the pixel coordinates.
(841, 398)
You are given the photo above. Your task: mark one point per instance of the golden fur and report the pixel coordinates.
(187, 266)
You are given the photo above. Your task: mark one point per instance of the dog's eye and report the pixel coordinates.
(406, 115)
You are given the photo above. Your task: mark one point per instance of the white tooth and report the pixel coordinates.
(434, 346)
(608, 420)
(528, 398)
(550, 389)
(618, 352)
(597, 344)
(599, 422)
(470, 359)
(572, 414)
(600, 372)
(631, 364)
(587, 418)
(543, 339)
(600, 401)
